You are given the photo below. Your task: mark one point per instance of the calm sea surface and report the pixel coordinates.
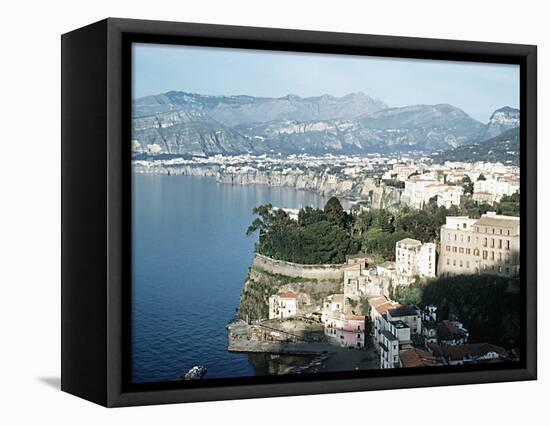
(190, 259)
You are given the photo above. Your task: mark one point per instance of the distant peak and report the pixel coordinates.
(506, 110)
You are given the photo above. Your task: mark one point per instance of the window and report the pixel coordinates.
(467, 264)
(492, 243)
(500, 243)
(484, 254)
(477, 228)
(485, 242)
(461, 250)
(500, 257)
(464, 225)
(460, 264)
(469, 238)
(454, 262)
(507, 244)
(508, 232)
(500, 231)
(454, 249)
(455, 237)
(448, 261)
(467, 251)
(492, 255)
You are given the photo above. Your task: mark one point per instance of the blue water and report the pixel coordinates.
(190, 256)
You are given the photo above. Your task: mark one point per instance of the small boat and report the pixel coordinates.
(196, 373)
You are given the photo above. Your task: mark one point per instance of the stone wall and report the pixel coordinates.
(296, 270)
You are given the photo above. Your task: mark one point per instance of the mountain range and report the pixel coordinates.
(181, 123)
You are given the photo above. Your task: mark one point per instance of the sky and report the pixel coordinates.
(477, 88)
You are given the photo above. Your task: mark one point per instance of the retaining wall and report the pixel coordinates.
(297, 270)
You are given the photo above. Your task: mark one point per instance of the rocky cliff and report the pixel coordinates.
(191, 124)
(263, 281)
(361, 187)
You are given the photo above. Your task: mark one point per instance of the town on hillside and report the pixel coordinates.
(369, 306)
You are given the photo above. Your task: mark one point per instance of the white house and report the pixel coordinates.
(412, 258)
(283, 305)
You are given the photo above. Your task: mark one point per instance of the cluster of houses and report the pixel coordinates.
(444, 182)
(406, 336)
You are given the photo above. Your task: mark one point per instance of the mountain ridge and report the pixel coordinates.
(183, 123)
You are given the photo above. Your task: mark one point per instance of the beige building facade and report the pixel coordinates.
(475, 246)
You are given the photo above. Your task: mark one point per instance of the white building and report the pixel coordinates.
(395, 337)
(333, 304)
(412, 259)
(420, 189)
(283, 305)
(450, 196)
(497, 186)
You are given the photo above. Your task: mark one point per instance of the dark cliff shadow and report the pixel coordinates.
(53, 382)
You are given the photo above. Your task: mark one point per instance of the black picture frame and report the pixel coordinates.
(96, 232)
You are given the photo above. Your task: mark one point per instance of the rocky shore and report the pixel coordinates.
(360, 187)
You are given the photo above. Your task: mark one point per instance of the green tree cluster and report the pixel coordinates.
(330, 234)
(318, 237)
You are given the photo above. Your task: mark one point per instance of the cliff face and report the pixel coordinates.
(359, 187)
(263, 282)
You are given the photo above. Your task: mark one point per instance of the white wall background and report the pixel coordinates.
(30, 209)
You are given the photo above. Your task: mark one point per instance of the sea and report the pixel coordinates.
(190, 258)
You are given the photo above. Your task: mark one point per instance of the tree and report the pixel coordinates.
(481, 177)
(468, 185)
(308, 216)
(335, 212)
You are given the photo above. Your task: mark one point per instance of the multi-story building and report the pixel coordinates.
(345, 330)
(486, 245)
(450, 196)
(412, 259)
(283, 305)
(395, 337)
(410, 315)
(498, 186)
(420, 189)
(362, 281)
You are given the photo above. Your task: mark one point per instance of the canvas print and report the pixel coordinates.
(296, 214)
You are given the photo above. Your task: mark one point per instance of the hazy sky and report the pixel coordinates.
(476, 88)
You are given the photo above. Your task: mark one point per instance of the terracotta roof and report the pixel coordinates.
(414, 357)
(378, 300)
(459, 352)
(356, 317)
(382, 309)
(452, 327)
(287, 295)
(337, 298)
